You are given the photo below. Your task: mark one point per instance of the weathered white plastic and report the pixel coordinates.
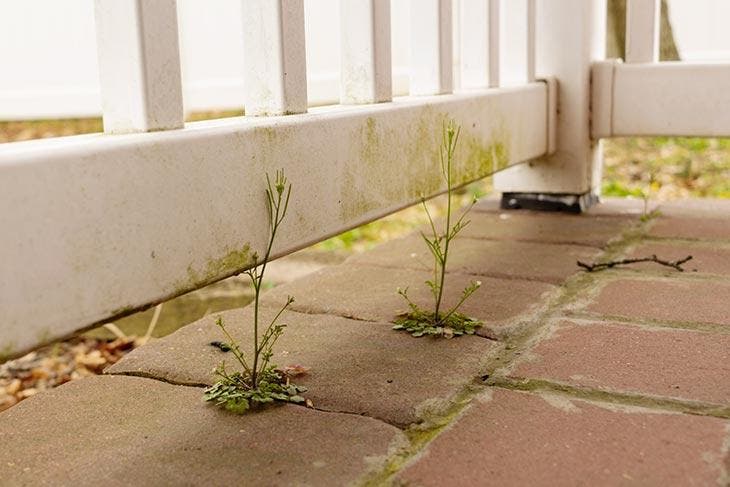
(431, 47)
(570, 36)
(95, 226)
(139, 65)
(275, 81)
(642, 31)
(669, 98)
(366, 71)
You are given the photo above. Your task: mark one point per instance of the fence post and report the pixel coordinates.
(570, 35)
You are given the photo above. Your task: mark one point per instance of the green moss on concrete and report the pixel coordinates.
(232, 262)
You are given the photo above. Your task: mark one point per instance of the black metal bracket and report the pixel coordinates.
(565, 203)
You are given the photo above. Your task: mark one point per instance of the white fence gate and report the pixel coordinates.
(96, 226)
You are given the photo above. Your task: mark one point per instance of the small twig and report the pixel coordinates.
(675, 264)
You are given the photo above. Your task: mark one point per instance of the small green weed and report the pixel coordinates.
(261, 382)
(451, 323)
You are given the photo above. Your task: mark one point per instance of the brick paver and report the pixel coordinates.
(133, 431)
(674, 363)
(526, 439)
(355, 366)
(525, 260)
(369, 293)
(692, 301)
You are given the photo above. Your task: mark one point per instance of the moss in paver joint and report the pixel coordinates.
(612, 397)
(421, 434)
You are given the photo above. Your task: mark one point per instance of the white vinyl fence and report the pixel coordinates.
(96, 226)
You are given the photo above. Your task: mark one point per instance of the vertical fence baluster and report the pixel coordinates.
(366, 71)
(495, 34)
(517, 35)
(642, 31)
(139, 65)
(275, 78)
(474, 33)
(530, 40)
(431, 47)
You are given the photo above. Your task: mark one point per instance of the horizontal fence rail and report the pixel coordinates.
(645, 97)
(109, 224)
(667, 99)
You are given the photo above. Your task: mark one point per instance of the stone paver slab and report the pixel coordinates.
(133, 431)
(595, 231)
(691, 301)
(698, 208)
(369, 293)
(526, 260)
(674, 363)
(525, 439)
(710, 259)
(692, 228)
(356, 366)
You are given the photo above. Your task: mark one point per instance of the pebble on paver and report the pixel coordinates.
(519, 438)
(355, 366)
(673, 363)
(369, 293)
(688, 300)
(134, 431)
(550, 263)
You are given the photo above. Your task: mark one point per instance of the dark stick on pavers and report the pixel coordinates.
(675, 264)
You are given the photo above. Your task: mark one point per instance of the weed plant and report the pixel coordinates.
(259, 382)
(438, 322)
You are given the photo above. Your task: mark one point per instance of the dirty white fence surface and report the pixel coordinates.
(99, 225)
(95, 226)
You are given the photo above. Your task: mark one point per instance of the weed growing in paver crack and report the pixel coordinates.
(450, 323)
(260, 382)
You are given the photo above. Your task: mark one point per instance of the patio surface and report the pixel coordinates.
(619, 377)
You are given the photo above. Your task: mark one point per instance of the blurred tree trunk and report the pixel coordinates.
(616, 32)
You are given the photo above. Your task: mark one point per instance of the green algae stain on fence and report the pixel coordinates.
(232, 262)
(477, 160)
(393, 167)
(7, 351)
(387, 166)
